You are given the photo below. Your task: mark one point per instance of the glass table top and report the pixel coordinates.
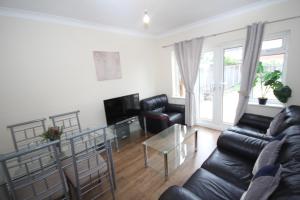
(170, 138)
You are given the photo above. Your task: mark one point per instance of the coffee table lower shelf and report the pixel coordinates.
(168, 161)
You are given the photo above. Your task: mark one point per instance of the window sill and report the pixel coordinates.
(267, 105)
(176, 97)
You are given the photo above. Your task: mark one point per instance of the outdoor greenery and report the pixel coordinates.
(271, 80)
(230, 61)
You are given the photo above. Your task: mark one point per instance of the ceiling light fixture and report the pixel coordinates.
(146, 18)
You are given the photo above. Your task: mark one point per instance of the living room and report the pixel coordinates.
(202, 81)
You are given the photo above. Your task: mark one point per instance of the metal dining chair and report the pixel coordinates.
(27, 134)
(89, 174)
(69, 122)
(35, 177)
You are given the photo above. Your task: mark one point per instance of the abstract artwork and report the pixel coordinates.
(107, 65)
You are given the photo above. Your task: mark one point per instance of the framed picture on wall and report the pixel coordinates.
(107, 65)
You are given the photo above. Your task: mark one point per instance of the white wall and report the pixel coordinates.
(273, 12)
(47, 69)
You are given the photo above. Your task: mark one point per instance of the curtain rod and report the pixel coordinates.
(238, 29)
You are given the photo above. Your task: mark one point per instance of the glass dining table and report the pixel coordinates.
(65, 153)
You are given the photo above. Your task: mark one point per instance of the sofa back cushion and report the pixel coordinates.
(276, 124)
(289, 158)
(287, 117)
(156, 103)
(289, 186)
(291, 148)
(269, 154)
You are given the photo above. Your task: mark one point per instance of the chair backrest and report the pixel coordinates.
(27, 134)
(157, 103)
(90, 164)
(69, 122)
(31, 175)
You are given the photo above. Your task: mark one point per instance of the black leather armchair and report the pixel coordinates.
(159, 114)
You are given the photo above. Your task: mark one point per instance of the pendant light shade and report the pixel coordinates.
(146, 18)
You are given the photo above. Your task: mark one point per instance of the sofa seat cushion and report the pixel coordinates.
(209, 186)
(231, 167)
(249, 131)
(89, 170)
(51, 184)
(175, 118)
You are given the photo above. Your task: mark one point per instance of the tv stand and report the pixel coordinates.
(121, 129)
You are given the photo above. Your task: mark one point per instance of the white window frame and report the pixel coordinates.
(253, 101)
(276, 51)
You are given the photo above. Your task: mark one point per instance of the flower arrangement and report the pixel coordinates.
(53, 133)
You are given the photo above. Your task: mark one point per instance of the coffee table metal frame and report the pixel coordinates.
(165, 153)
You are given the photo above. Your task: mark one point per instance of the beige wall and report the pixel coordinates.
(47, 69)
(276, 11)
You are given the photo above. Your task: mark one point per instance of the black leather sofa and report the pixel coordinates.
(227, 173)
(257, 125)
(160, 114)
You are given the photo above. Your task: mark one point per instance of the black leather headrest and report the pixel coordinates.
(292, 117)
(153, 103)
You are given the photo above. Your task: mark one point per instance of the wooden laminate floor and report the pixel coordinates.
(135, 182)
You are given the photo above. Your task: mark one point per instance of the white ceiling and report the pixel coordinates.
(166, 15)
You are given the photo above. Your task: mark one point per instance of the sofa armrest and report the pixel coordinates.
(176, 108)
(155, 115)
(243, 145)
(178, 193)
(256, 121)
(155, 121)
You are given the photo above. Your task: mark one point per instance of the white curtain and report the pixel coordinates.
(188, 55)
(248, 70)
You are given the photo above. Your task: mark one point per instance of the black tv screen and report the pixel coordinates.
(121, 108)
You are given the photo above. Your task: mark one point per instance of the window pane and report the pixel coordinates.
(272, 44)
(232, 63)
(206, 86)
(270, 63)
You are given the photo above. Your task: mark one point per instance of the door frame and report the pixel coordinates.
(218, 91)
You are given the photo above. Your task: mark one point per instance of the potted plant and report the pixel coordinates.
(268, 81)
(53, 133)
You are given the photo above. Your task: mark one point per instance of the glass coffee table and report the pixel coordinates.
(169, 144)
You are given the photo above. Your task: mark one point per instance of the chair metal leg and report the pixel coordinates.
(166, 166)
(145, 155)
(145, 126)
(196, 141)
(112, 166)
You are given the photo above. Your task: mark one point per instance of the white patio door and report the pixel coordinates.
(219, 78)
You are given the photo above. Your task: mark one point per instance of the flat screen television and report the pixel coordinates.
(121, 108)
